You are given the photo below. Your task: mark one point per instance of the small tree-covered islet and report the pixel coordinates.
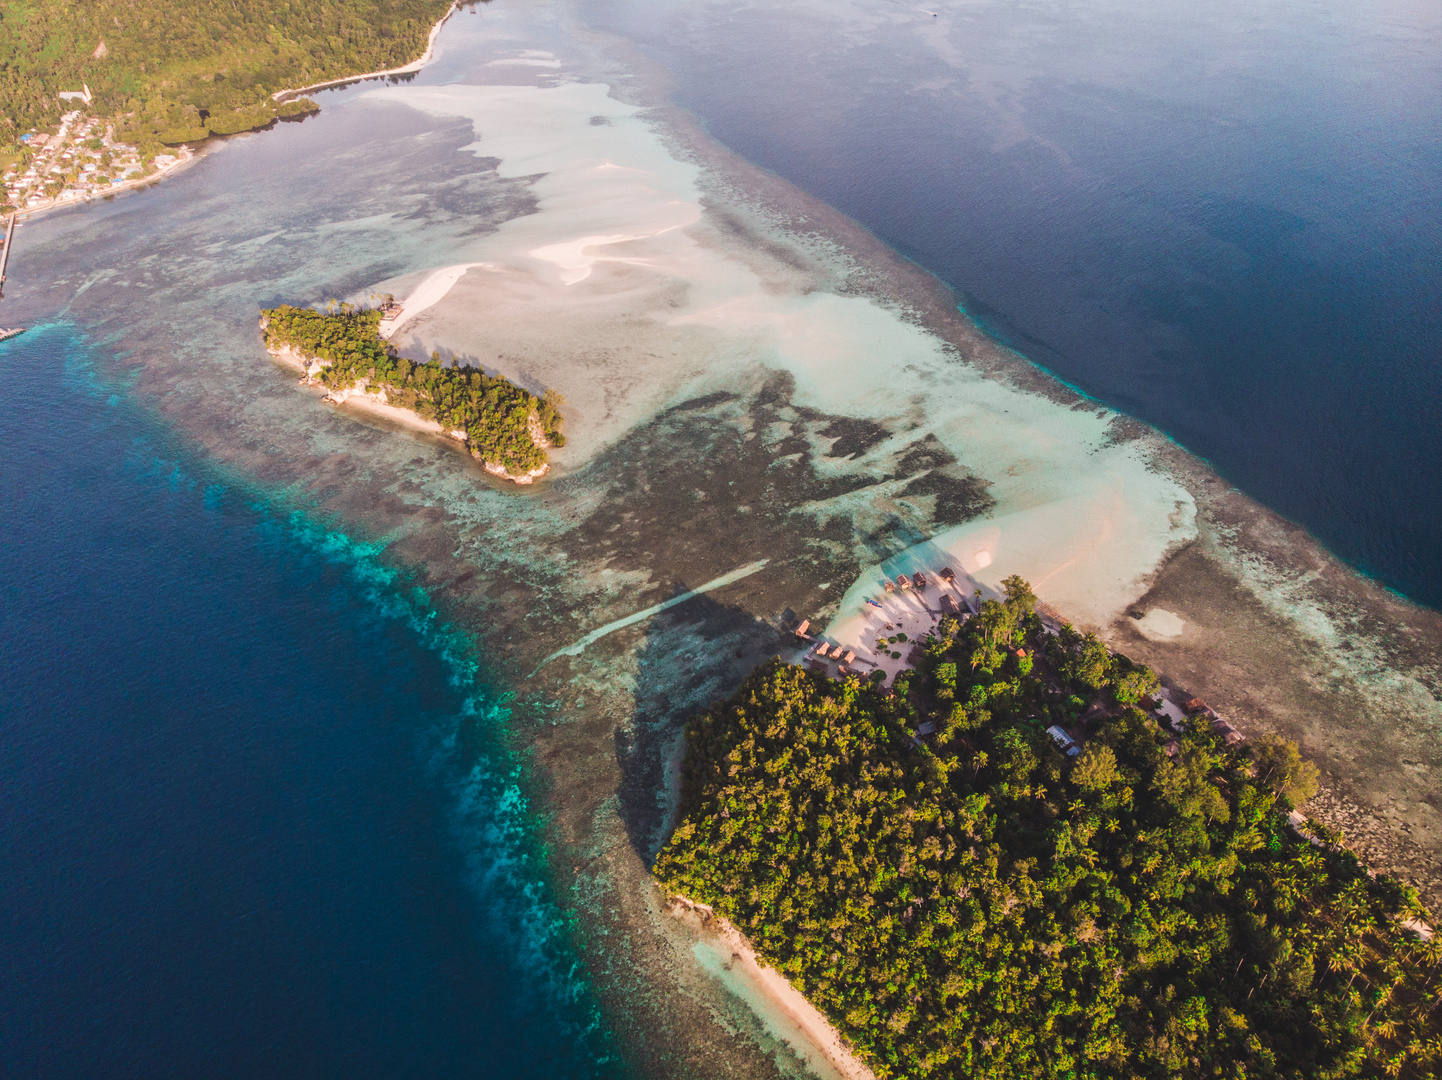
(504, 425)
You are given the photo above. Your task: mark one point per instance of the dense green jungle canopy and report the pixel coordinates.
(977, 904)
(173, 71)
(494, 412)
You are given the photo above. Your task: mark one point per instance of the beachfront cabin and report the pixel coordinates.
(1195, 707)
(947, 575)
(919, 579)
(949, 605)
(1230, 734)
(901, 579)
(889, 586)
(822, 649)
(849, 657)
(801, 629)
(1064, 742)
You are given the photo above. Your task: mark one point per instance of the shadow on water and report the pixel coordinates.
(692, 655)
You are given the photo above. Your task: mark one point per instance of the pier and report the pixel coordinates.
(7, 333)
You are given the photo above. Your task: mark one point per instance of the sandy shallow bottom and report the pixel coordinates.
(646, 304)
(784, 1012)
(750, 380)
(652, 300)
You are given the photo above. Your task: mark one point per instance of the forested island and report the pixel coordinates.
(963, 898)
(506, 427)
(186, 69)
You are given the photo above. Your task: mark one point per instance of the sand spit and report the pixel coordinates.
(425, 295)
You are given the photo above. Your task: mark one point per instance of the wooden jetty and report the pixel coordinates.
(9, 332)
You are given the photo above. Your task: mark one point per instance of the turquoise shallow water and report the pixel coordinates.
(253, 798)
(1219, 219)
(255, 816)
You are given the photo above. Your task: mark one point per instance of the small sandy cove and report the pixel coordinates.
(727, 956)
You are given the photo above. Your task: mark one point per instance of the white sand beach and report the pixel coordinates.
(425, 295)
(405, 69)
(782, 1009)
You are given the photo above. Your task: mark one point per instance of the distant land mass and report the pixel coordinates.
(193, 68)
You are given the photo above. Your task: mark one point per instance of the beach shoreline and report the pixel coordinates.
(185, 156)
(783, 1010)
(405, 69)
(361, 399)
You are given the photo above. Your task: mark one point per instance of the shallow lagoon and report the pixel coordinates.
(750, 377)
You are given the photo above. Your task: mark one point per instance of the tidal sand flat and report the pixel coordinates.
(748, 377)
(647, 301)
(1083, 501)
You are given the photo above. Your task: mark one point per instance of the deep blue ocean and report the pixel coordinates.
(254, 817)
(1225, 219)
(256, 814)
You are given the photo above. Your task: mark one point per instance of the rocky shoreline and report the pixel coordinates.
(375, 401)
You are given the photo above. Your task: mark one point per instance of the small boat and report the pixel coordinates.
(874, 604)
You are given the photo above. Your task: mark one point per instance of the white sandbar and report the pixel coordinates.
(620, 292)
